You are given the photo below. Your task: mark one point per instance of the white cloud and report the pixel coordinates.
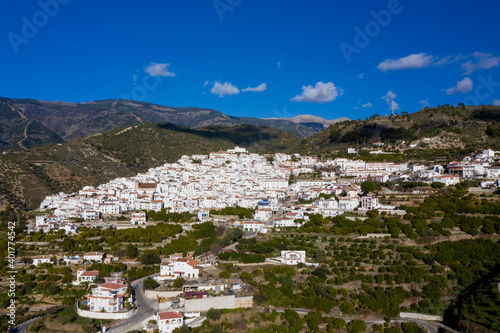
(278, 64)
(134, 77)
(320, 93)
(417, 60)
(206, 83)
(462, 87)
(390, 96)
(367, 105)
(361, 76)
(156, 69)
(483, 61)
(260, 88)
(423, 103)
(224, 89)
(389, 99)
(496, 102)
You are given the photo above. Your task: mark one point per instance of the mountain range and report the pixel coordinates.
(27, 123)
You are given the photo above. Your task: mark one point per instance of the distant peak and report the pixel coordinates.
(307, 118)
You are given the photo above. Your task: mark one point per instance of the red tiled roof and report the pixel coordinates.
(90, 273)
(94, 254)
(42, 257)
(112, 285)
(169, 315)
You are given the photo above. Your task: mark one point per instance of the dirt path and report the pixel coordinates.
(20, 113)
(137, 117)
(301, 134)
(20, 143)
(126, 129)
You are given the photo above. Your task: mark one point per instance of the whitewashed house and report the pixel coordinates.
(263, 214)
(93, 256)
(283, 222)
(86, 276)
(348, 204)
(369, 202)
(493, 172)
(293, 257)
(275, 183)
(109, 297)
(252, 226)
(169, 321)
(138, 218)
(42, 259)
(447, 180)
(203, 215)
(176, 267)
(91, 215)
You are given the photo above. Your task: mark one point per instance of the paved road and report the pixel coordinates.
(431, 327)
(23, 328)
(145, 310)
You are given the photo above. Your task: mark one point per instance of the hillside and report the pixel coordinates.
(314, 122)
(26, 123)
(27, 177)
(444, 127)
(18, 131)
(477, 308)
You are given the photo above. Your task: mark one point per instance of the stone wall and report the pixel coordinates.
(244, 302)
(411, 315)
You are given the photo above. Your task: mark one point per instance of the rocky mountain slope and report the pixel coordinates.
(26, 123)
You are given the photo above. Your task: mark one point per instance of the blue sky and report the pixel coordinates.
(254, 58)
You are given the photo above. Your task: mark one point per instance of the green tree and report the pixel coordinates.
(150, 259)
(69, 245)
(320, 272)
(150, 283)
(213, 314)
(356, 326)
(368, 186)
(319, 255)
(338, 324)
(132, 251)
(295, 323)
(178, 282)
(313, 320)
(437, 185)
(347, 308)
(411, 328)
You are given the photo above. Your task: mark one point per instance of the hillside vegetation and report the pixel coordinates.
(445, 127)
(30, 175)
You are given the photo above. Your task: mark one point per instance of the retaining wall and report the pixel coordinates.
(411, 315)
(106, 315)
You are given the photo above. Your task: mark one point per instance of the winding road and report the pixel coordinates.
(23, 328)
(144, 311)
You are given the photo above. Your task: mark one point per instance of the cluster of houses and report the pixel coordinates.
(98, 257)
(199, 183)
